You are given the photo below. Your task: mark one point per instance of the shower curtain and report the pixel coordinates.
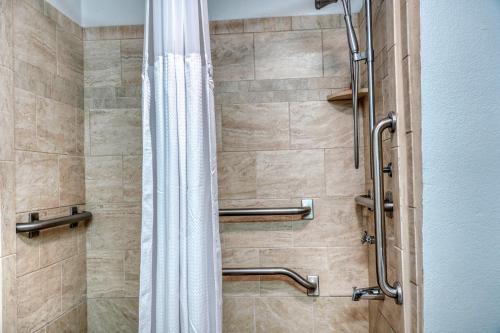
(180, 283)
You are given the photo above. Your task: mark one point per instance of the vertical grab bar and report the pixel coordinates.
(395, 291)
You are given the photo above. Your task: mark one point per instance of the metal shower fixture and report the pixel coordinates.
(322, 3)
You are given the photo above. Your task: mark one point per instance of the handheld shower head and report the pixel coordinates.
(322, 3)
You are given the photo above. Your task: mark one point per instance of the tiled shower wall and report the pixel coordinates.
(396, 31)
(113, 60)
(42, 167)
(279, 141)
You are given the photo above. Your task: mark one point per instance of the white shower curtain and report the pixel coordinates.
(180, 284)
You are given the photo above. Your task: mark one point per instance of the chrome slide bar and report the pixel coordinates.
(306, 211)
(311, 282)
(35, 225)
(395, 291)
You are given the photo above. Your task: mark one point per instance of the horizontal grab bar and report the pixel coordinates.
(306, 211)
(366, 201)
(311, 283)
(35, 225)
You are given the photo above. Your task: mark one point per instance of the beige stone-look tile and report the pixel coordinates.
(284, 314)
(255, 126)
(337, 222)
(113, 315)
(6, 34)
(103, 179)
(348, 267)
(115, 226)
(7, 208)
(292, 54)
(37, 181)
(336, 53)
(132, 178)
(114, 32)
(105, 274)
(36, 40)
(25, 120)
(381, 325)
(313, 259)
(102, 63)
(57, 244)
(131, 265)
(233, 57)
(9, 293)
(74, 282)
(340, 314)
(238, 315)
(115, 131)
(342, 179)
(68, 322)
(304, 177)
(71, 180)
(69, 56)
(131, 57)
(6, 114)
(307, 22)
(56, 126)
(27, 253)
(240, 257)
(256, 234)
(67, 91)
(321, 125)
(226, 27)
(33, 79)
(266, 24)
(80, 131)
(40, 301)
(237, 175)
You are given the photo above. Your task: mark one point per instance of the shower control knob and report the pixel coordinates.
(367, 239)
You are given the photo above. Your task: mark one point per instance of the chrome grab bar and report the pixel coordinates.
(35, 225)
(367, 201)
(395, 291)
(306, 211)
(311, 283)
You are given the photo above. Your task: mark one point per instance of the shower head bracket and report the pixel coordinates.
(322, 3)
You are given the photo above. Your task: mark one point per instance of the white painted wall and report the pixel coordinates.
(112, 12)
(70, 8)
(91, 13)
(461, 165)
(236, 9)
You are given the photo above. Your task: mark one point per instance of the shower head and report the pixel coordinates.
(322, 3)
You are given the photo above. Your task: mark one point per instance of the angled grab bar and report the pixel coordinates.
(395, 291)
(306, 211)
(311, 283)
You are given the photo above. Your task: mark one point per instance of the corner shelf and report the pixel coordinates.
(345, 95)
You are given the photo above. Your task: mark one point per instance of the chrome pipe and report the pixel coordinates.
(370, 75)
(395, 291)
(311, 283)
